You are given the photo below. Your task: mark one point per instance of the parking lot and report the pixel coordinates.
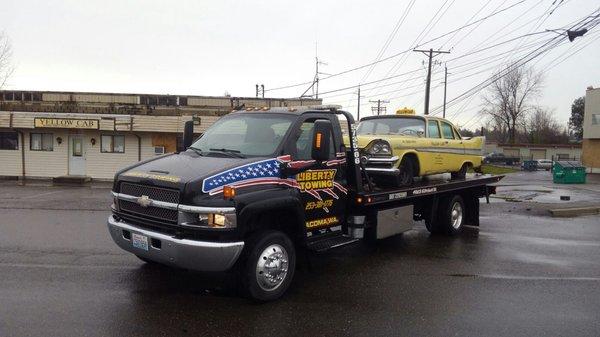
(521, 272)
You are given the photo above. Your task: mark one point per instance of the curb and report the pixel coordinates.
(574, 212)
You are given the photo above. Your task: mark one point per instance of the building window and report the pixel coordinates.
(596, 119)
(9, 141)
(41, 142)
(112, 144)
(158, 150)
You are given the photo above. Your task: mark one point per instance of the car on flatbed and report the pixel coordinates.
(397, 148)
(259, 186)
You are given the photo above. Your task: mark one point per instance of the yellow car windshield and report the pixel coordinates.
(414, 127)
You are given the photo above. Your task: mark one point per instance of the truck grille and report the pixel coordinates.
(154, 193)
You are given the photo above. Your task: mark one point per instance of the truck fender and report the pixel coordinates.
(288, 205)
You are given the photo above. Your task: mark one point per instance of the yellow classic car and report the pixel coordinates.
(397, 148)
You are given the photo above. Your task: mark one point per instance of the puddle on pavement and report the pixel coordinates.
(538, 194)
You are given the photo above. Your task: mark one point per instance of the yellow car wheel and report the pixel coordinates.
(462, 173)
(407, 172)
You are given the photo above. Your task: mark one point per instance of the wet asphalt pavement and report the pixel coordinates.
(521, 273)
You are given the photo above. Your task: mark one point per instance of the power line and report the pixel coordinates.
(490, 80)
(389, 39)
(492, 58)
(550, 66)
(474, 28)
(421, 35)
(399, 53)
(468, 21)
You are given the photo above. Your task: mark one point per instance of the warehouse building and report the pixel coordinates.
(591, 130)
(92, 135)
(526, 151)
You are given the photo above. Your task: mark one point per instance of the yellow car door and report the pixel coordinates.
(454, 147)
(433, 160)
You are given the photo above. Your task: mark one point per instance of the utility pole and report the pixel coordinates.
(445, 86)
(358, 105)
(379, 109)
(430, 54)
(260, 90)
(315, 83)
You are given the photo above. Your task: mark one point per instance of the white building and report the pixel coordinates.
(536, 151)
(591, 130)
(56, 134)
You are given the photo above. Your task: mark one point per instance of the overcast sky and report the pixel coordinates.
(208, 48)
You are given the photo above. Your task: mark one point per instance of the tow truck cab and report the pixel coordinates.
(259, 185)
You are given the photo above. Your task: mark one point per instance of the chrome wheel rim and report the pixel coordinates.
(456, 215)
(272, 267)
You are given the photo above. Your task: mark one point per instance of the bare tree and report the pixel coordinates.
(509, 98)
(543, 128)
(6, 68)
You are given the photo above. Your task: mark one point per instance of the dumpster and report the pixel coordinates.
(568, 172)
(530, 165)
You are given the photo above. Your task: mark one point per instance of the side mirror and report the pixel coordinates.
(321, 140)
(188, 134)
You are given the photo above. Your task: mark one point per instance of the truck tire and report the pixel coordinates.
(452, 215)
(269, 266)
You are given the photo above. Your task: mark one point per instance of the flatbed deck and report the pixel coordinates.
(426, 186)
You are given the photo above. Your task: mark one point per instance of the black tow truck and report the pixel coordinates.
(260, 185)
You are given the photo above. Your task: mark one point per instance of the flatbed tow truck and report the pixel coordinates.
(261, 185)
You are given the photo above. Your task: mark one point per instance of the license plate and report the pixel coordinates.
(140, 241)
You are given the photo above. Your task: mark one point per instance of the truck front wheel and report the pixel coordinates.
(269, 266)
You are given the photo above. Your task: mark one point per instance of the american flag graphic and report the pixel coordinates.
(262, 170)
(265, 172)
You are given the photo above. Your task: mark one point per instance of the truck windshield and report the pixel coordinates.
(245, 134)
(392, 126)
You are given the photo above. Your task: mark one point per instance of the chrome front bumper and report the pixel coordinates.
(183, 253)
(382, 165)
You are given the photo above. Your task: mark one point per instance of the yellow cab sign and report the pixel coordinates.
(405, 111)
(66, 123)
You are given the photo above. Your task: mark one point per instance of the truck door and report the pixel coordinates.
(322, 188)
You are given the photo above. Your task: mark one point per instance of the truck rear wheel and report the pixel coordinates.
(453, 215)
(450, 216)
(269, 266)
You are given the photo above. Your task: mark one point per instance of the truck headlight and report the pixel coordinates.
(208, 221)
(380, 147)
(222, 220)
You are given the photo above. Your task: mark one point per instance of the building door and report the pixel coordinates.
(76, 155)
(512, 152)
(538, 153)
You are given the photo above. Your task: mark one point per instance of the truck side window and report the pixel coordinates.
(304, 142)
(433, 129)
(447, 131)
